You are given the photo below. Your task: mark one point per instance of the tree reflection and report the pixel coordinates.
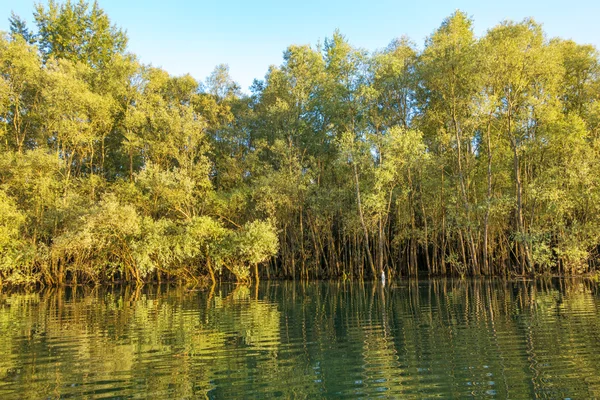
(441, 337)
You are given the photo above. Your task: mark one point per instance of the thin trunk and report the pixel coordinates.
(211, 271)
(522, 247)
(463, 190)
(426, 244)
(488, 199)
(381, 247)
(444, 232)
(130, 164)
(362, 222)
(302, 241)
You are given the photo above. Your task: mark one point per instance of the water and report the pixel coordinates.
(442, 338)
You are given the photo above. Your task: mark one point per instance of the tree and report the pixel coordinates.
(18, 28)
(21, 80)
(525, 78)
(78, 33)
(447, 69)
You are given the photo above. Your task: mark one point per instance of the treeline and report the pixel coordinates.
(472, 156)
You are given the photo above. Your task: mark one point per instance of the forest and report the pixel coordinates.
(468, 156)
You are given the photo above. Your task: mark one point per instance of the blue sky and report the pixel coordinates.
(187, 36)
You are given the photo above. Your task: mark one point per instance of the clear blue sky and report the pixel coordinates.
(191, 36)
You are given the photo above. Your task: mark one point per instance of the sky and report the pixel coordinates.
(193, 36)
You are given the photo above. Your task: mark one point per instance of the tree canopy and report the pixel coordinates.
(474, 155)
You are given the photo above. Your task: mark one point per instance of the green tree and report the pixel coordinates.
(77, 32)
(21, 78)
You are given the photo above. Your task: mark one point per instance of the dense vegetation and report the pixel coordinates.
(470, 156)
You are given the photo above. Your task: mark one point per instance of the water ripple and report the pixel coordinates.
(441, 338)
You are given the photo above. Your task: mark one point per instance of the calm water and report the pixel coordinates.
(412, 340)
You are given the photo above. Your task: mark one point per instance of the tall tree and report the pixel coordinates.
(448, 81)
(77, 32)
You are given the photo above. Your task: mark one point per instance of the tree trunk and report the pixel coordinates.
(362, 222)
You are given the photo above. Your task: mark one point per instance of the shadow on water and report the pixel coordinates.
(448, 338)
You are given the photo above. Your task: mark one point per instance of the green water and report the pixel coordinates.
(440, 338)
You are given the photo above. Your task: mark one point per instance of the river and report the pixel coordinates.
(428, 338)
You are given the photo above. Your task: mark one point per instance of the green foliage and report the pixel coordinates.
(18, 28)
(12, 247)
(257, 242)
(471, 156)
(103, 241)
(21, 80)
(77, 32)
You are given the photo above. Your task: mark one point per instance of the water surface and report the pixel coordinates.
(441, 338)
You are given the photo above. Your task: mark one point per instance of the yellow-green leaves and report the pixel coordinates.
(79, 32)
(472, 155)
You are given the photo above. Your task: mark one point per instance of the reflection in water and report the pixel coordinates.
(419, 339)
